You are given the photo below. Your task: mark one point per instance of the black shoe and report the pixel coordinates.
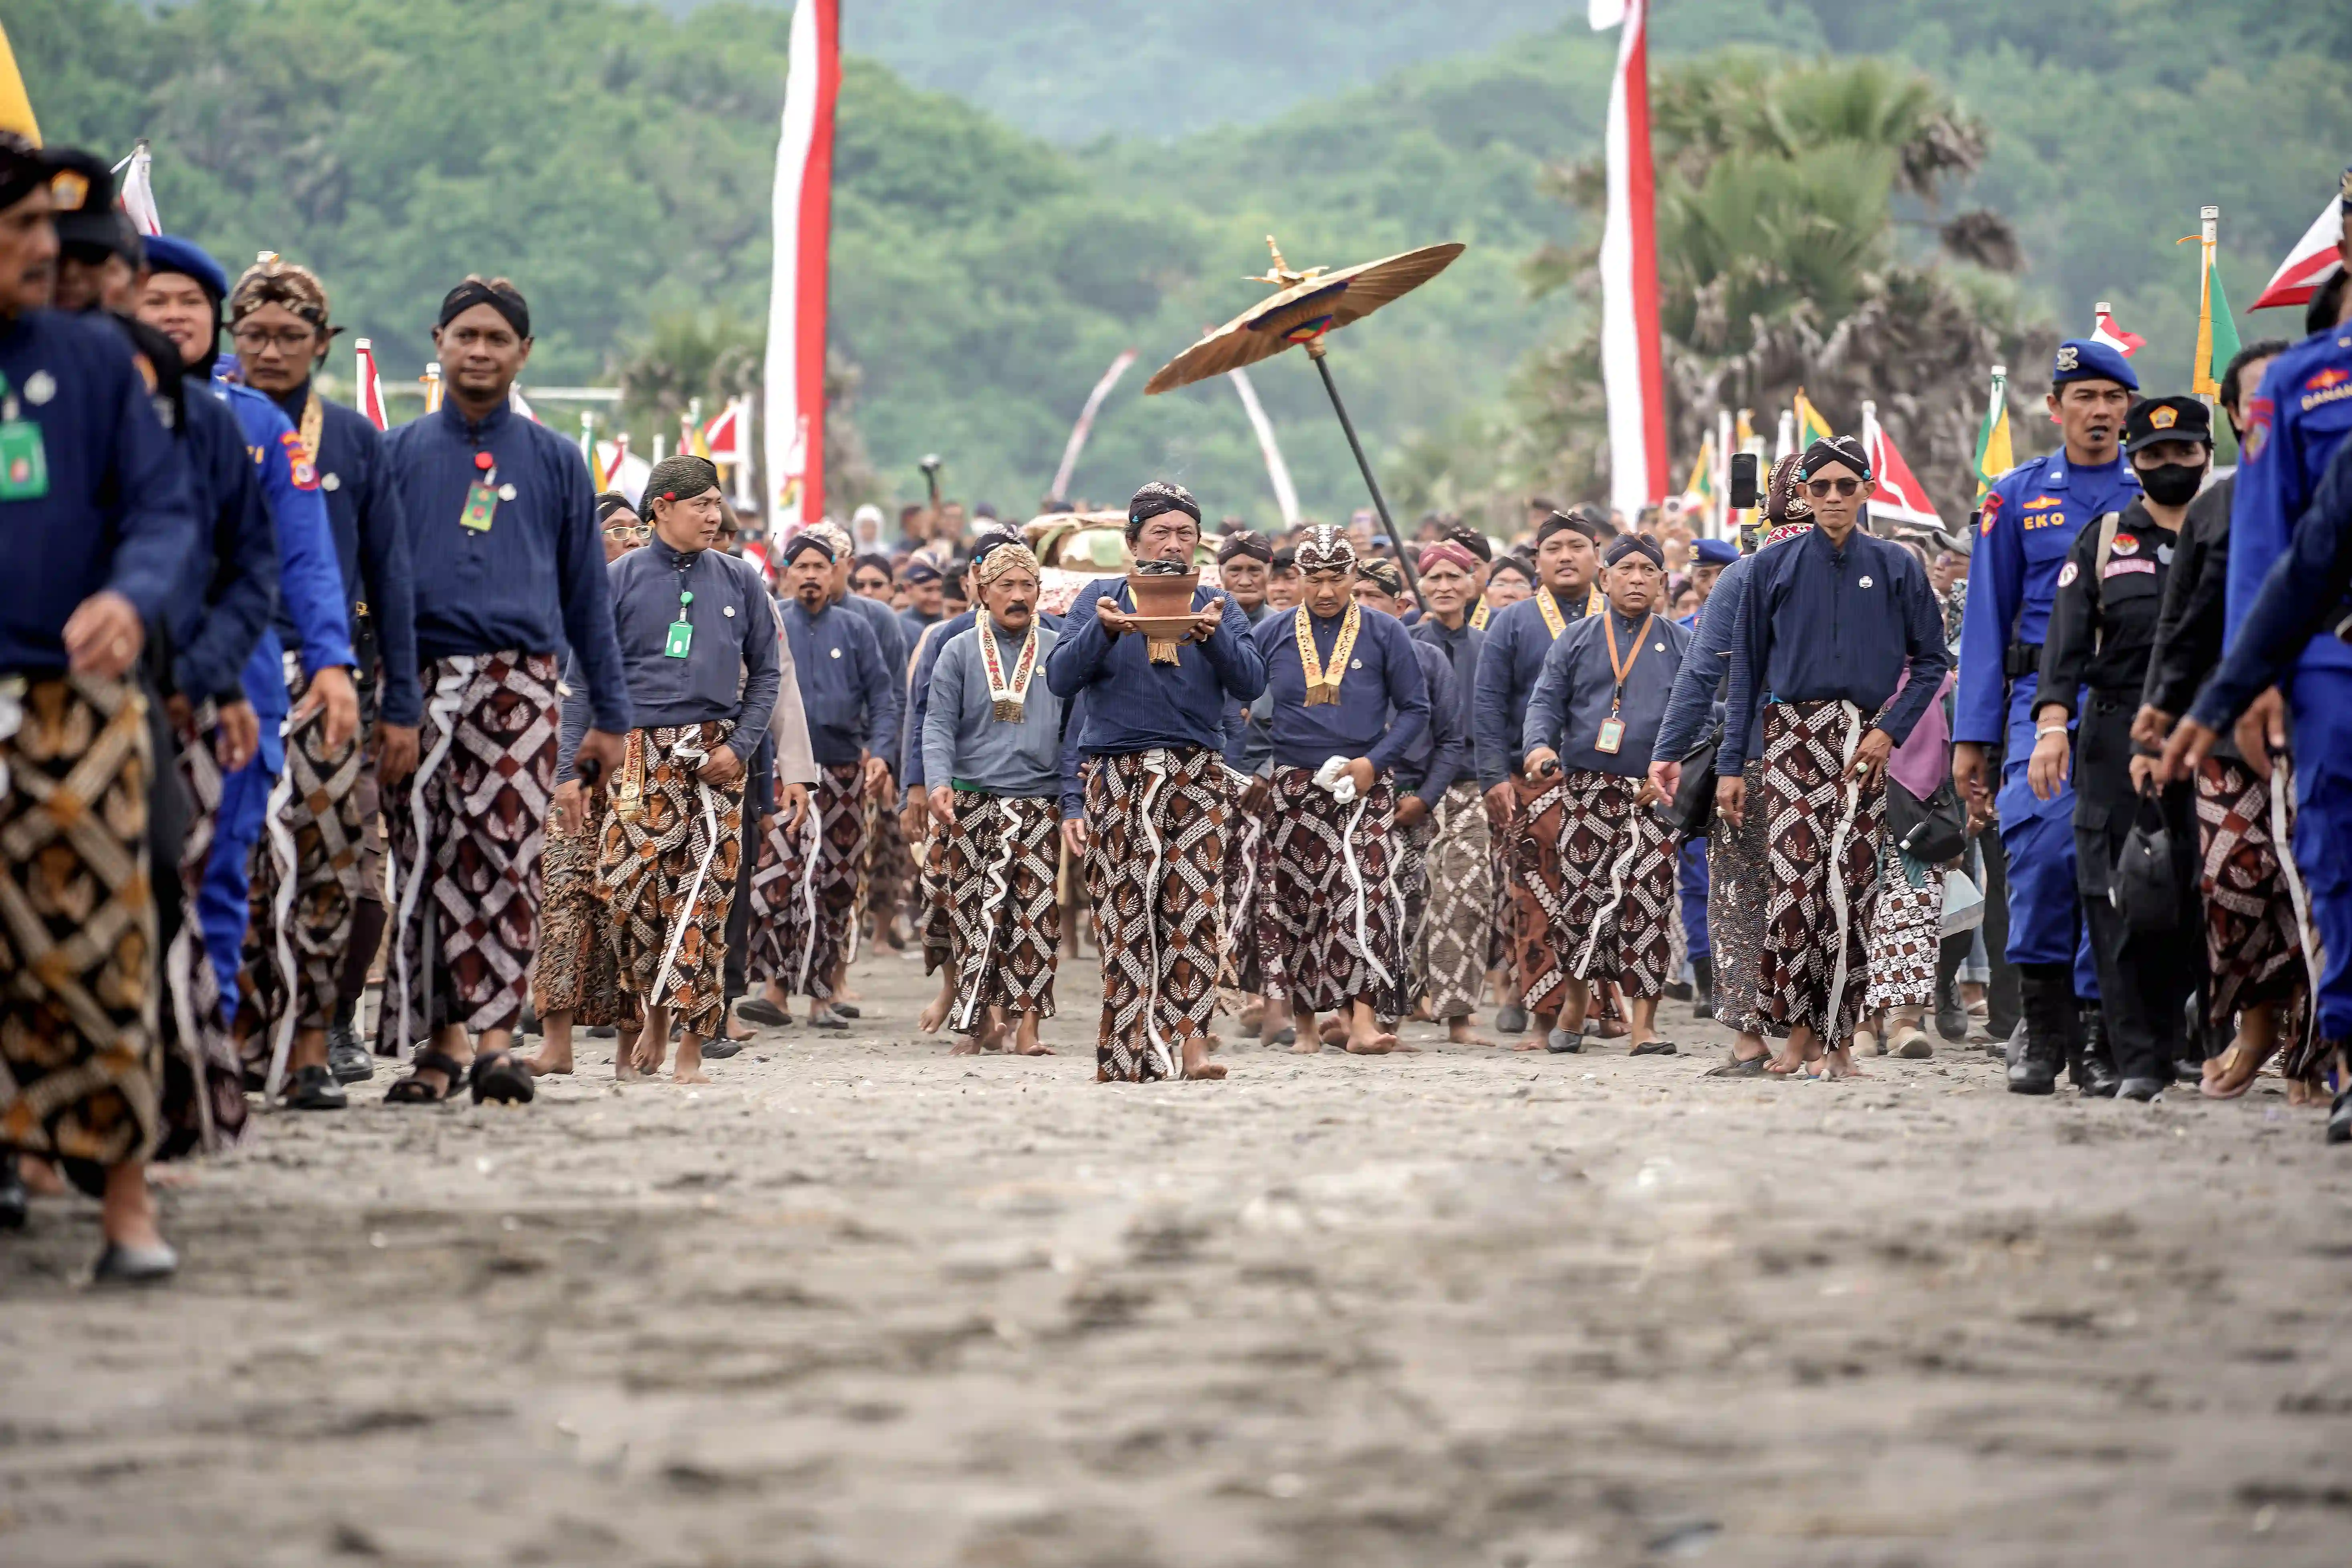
(314, 1089)
(1511, 1018)
(845, 1011)
(1951, 1016)
(1564, 1042)
(2186, 1072)
(2339, 1119)
(15, 1203)
(347, 1059)
(529, 1022)
(720, 1050)
(2051, 1028)
(1702, 983)
(120, 1265)
(604, 1032)
(1677, 991)
(2141, 1089)
(2091, 1070)
(822, 1016)
(761, 1011)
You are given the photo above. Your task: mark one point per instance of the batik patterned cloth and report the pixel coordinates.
(932, 883)
(204, 1107)
(1002, 859)
(81, 1068)
(889, 867)
(1248, 856)
(1155, 850)
(1458, 924)
(1734, 908)
(1821, 868)
(2253, 945)
(578, 969)
(1617, 885)
(805, 888)
(1410, 879)
(1329, 923)
(1906, 933)
(686, 841)
(314, 862)
(462, 844)
(1537, 908)
(1502, 945)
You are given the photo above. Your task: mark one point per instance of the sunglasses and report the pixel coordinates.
(1819, 488)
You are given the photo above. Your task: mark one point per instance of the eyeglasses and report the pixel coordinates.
(635, 536)
(287, 340)
(1819, 488)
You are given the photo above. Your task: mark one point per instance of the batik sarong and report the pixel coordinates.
(889, 868)
(932, 883)
(1502, 947)
(1155, 849)
(1538, 910)
(315, 860)
(1330, 927)
(204, 1107)
(1617, 885)
(463, 837)
(668, 873)
(81, 1068)
(1821, 869)
(2253, 943)
(805, 888)
(1411, 880)
(1008, 924)
(578, 969)
(1906, 933)
(1248, 855)
(1459, 921)
(1736, 874)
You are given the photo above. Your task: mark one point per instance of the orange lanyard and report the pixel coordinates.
(1609, 626)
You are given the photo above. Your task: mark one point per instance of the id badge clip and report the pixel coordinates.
(24, 459)
(481, 497)
(681, 640)
(1611, 735)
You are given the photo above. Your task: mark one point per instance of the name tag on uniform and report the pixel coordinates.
(681, 640)
(481, 505)
(1611, 735)
(24, 461)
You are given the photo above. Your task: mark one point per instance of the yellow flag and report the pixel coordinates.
(1995, 456)
(15, 107)
(1811, 426)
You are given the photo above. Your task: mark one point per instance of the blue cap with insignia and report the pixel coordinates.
(2084, 360)
(170, 253)
(1714, 552)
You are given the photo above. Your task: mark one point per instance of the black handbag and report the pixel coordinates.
(1692, 814)
(1931, 831)
(2142, 889)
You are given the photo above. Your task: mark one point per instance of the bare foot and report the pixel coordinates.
(1842, 1065)
(935, 1013)
(1253, 1013)
(1378, 1043)
(1536, 1040)
(1334, 1030)
(1032, 1048)
(1457, 1032)
(737, 1031)
(1197, 1065)
(547, 1062)
(965, 1045)
(40, 1177)
(1307, 1046)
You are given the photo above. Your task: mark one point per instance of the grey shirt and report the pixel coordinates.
(732, 669)
(965, 743)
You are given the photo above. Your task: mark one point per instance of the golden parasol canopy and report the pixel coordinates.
(1311, 304)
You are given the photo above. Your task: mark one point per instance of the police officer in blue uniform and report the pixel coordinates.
(311, 587)
(2290, 540)
(2029, 522)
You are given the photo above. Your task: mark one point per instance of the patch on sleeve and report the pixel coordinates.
(2123, 567)
(298, 461)
(1992, 510)
(2260, 411)
(2067, 574)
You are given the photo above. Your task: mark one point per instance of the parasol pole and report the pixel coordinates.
(1319, 353)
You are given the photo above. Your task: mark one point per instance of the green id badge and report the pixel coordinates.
(481, 505)
(24, 461)
(681, 640)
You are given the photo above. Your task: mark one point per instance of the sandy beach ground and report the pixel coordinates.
(860, 1302)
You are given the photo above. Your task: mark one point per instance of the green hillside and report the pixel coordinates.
(1103, 176)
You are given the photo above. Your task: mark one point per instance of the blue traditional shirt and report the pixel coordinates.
(1517, 638)
(228, 584)
(1383, 677)
(843, 687)
(1440, 754)
(1137, 706)
(1578, 692)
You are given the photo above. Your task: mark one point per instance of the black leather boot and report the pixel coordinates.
(2047, 993)
(2092, 1066)
(1703, 971)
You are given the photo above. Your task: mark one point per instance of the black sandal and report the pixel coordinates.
(314, 1088)
(413, 1091)
(1564, 1042)
(1654, 1048)
(500, 1075)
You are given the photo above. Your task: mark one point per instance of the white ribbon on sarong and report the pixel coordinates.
(687, 751)
(812, 819)
(1155, 763)
(1848, 809)
(1333, 776)
(282, 905)
(991, 907)
(1623, 864)
(2282, 791)
(441, 712)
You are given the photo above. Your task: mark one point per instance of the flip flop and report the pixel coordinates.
(1735, 1068)
(1654, 1048)
(1564, 1042)
(1285, 1035)
(761, 1011)
(413, 1091)
(720, 1050)
(500, 1075)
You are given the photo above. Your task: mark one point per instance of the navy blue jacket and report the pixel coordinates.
(2300, 598)
(1440, 753)
(535, 581)
(229, 583)
(890, 639)
(1573, 696)
(1517, 638)
(118, 514)
(370, 546)
(1690, 707)
(1137, 706)
(845, 690)
(1383, 705)
(1825, 623)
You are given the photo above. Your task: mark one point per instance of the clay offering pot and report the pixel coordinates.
(1164, 609)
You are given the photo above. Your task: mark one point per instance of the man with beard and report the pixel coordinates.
(317, 914)
(698, 640)
(2031, 518)
(1829, 726)
(508, 566)
(1525, 811)
(1592, 722)
(992, 744)
(805, 888)
(1457, 926)
(1155, 794)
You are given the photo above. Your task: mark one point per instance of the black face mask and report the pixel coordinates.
(2172, 484)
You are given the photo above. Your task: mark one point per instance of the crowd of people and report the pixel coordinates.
(294, 712)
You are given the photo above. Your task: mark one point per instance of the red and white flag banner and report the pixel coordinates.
(1632, 371)
(794, 392)
(1901, 497)
(2307, 266)
(2104, 329)
(722, 437)
(135, 193)
(369, 384)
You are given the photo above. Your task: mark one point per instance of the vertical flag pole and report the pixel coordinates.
(2209, 232)
(1723, 474)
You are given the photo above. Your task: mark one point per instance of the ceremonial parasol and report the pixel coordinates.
(1308, 306)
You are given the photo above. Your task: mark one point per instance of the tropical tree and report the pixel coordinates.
(1799, 245)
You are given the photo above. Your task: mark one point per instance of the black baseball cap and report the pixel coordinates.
(2177, 418)
(82, 189)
